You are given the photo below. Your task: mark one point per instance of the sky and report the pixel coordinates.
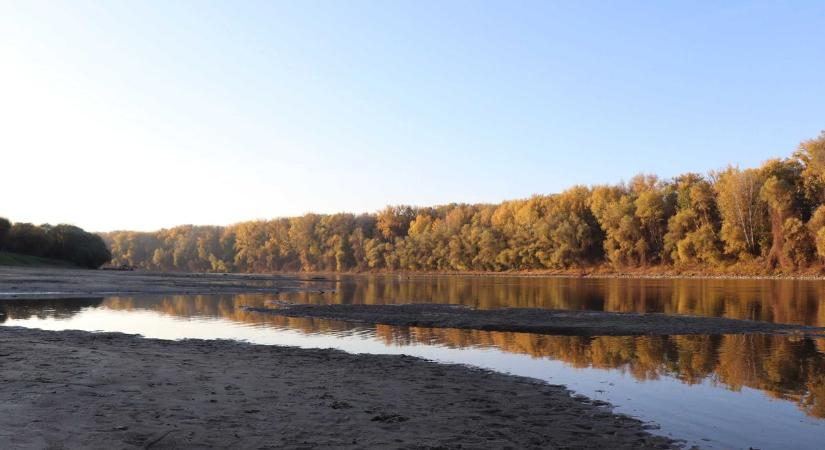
(143, 115)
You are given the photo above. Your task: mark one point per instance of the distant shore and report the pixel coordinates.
(52, 282)
(74, 389)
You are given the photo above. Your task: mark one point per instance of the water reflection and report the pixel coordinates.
(783, 301)
(45, 308)
(784, 367)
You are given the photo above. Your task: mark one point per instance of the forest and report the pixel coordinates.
(59, 242)
(768, 219)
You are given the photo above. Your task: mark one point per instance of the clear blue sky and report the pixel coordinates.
(140, 115)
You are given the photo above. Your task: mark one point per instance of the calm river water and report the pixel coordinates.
(715, 391)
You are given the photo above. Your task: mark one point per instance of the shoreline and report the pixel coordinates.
(54, 282)
(666, 275)
(80, 389)
(644, 275)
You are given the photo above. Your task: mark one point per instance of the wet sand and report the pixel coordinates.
(25, 282)
(535, 320)
(75, 389)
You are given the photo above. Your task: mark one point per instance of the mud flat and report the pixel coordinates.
(23, 282)
(74, 389)
(535, 320)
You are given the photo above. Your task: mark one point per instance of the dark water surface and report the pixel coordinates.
(715, 391)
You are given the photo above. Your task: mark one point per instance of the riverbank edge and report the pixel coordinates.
(593, 273)
(590, 273)
(99, 390)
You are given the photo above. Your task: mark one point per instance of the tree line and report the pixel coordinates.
(62, 242)
(767, 219)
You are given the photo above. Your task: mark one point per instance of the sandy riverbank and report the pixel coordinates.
(81, 390)
(535, 320)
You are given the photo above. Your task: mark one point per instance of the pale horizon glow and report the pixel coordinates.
(145, 115)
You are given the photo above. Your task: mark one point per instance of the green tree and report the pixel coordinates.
(28, 239)
(5, 226)
(73, 244)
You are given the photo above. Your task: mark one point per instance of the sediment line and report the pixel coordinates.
(535, 320)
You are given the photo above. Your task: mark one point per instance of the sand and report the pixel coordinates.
(75, 389)
(534, 320)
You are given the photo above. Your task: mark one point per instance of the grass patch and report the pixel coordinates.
(16, 259)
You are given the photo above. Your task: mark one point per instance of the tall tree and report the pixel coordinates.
(742, 210)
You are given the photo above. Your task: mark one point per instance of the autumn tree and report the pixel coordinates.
(798, 247)
(816, 228)
(692, 235)
(782, 195)
(302, 234)
(655, 203)
(811, 155)
(569, 231)
(250, 242)
(615, 209)
(742, 210)
(393, 221)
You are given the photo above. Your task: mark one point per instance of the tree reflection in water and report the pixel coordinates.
(45, 308)
(784, 301)
(786, 367)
